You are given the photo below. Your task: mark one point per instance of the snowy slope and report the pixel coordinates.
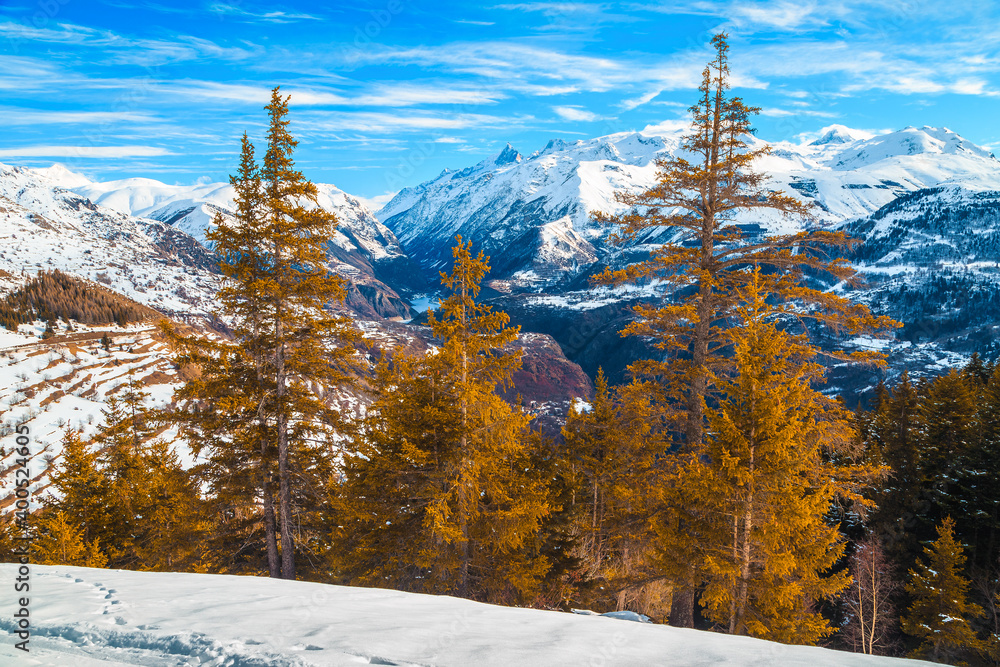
(509, 204)
(83, 616)
(65, 381)
(363, 249)
(45, 227)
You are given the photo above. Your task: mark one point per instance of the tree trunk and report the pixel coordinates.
(270, 536)
(463, 488)
(284, 484)
(742, 590)
(682, 605)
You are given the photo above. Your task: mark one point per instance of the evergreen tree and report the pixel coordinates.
(764, 482)
(129, 498)
(892, 440)
(228, 417)
(291, 351)
(60, 543)
(696, 195)
(439, 495)
(611, 451)
(940, 614)
(977, 487)
(82, 490)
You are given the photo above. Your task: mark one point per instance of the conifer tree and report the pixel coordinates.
(83, 490)
(439, 495)
(60, 543)
(291, 350)
(296, 327)
(696, 196)
(763, 484)
(941, 612)
(978, 480)
(893, 435)
(611, 450)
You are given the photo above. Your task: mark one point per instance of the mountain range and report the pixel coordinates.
(923, 202)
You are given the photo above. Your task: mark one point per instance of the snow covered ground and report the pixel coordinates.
(85, 617)
(66, 381)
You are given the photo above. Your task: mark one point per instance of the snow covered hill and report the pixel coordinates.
(363, 249)
(932, 260)
(45, 227)
(87, 617)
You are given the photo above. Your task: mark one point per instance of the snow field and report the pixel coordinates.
(83, 616)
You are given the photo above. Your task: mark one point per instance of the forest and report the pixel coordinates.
(718, 488)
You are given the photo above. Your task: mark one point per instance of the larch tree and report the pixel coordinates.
(941, 612)
(694, 203)
(291, 351)
(228, 416)
(764, 482)
(82, 489)
(308, 345)
(438, 495)
(58, 542)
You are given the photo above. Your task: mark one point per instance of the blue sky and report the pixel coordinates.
(388, 93)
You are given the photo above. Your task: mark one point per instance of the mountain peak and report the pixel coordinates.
(507, 156)
(63, 176)
(839, 134)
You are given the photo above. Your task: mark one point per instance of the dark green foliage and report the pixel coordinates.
(941, 438)
(941, 611)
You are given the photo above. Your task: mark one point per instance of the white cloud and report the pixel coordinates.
(628, 105)
(120, 49)
(773, 112)
(378, 201)
(365, 121)
(226, 9)
(667, 127)
(28, 117)
(85, 151)
(575, 113)
(383, 95)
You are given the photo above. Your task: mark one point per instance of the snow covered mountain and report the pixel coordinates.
(87, 617)
(363, 249)
(532, 214)
(44, 226)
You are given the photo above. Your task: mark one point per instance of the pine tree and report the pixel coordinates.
(438, 495)
(977, 485)
(82, 491)
(940, 613)
(697, 198)
(127, 498)
(228, 417)
(763, 484)
(894, 433)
